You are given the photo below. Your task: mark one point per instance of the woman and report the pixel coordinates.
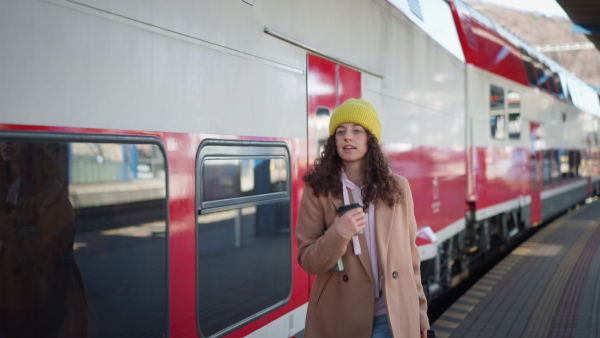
(41, 290)
(378, 293)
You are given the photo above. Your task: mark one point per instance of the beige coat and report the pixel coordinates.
(41, 289)
(342, 302)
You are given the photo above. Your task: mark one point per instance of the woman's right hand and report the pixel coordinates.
(350, 223)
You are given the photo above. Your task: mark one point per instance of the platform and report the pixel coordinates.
(115, 193)
(547, 287)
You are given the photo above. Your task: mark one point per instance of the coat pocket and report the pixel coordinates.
(320, 287)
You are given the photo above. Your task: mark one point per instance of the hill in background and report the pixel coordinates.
(537, 29)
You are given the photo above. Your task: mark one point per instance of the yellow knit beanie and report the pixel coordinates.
(356, 111)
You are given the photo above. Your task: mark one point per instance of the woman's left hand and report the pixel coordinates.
(424, 334)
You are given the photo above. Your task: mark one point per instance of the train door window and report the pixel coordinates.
(322, 127)
(546, 167)
(244, 244)
(534, 171)
(86, 255)
(555, 167)
(514, 115)
(497, 116)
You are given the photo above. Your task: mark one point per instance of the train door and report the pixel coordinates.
(536, 170)
(328, 85)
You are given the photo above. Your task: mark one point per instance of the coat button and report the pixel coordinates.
(395, 274)
(345, 278)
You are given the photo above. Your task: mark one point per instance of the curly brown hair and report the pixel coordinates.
(379, 182)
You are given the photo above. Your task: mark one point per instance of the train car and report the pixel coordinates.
(180, 133)
(532, 134)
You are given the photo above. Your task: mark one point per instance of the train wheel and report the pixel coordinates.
(446, 252)
(485, 240)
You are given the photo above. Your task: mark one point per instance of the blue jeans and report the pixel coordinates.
(381, 327)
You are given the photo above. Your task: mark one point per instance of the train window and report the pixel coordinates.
(546, 168)
(574, 163)
(232, 178)
(497, 116)
(244, 244)
(550, 80)
(514, 115)
(583, 170)
(527, 60)
(87, 251)
(555, 167)
(544, 83)
(580, 156)
(544, 76)
(563, 158)
(558, 86)
(539, 72)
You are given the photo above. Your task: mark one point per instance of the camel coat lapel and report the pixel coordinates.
(384, 215)
(364, 256)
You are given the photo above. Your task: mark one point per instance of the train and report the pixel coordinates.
(201, 117)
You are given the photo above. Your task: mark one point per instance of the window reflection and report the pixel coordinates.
(555, 167)
(83, 249)
(534, 172)
(119, 193)
(322, 128)
(557, 84)
(42, 292)
(497, 118)
(94, 163)
(575, 164)
(527, 60)
(243, 244)
(546, 168)
(563, 158)
(542, 74)
(514, 115)
(243, 263)
(232, 178)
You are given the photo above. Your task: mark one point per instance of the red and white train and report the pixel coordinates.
(201, 117)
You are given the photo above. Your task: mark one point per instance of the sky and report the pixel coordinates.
(546, 7)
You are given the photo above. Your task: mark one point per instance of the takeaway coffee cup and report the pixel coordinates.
(343, 209)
